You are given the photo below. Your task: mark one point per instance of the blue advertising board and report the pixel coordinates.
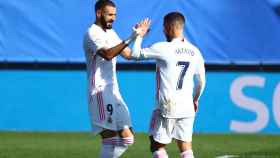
(241, 102)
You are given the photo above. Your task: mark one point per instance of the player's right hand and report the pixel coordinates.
(142, 28)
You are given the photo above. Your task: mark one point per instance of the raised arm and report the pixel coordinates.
(110, 53)
(142, 29)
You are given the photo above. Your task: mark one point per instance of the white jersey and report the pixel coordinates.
(177, 62)
(101, 73)
(106, 106)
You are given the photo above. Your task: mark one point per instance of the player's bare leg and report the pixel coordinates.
(185, 149)
(115, 143)
(157, 149)
(127, 132)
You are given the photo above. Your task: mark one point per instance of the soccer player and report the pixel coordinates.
(180, 80)
(108, 112)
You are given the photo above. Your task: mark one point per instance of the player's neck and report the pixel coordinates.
(180, 37)
(178, 34)
(98, 23)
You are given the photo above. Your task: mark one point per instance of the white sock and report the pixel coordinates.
(187, 154)
(107, 151)
(114, 147)
(160, 154)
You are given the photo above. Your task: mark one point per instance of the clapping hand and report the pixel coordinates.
(143, 27)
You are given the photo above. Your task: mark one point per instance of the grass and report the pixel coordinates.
(85, 145)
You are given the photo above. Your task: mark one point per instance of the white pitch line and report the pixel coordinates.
(227, 156)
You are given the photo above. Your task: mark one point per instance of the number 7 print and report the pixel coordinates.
(184, 65)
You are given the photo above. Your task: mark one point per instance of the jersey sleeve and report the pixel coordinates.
(145, 53)
(94, 40)
(199, 76)
(150, 53)
(116, 37)
(200, 68)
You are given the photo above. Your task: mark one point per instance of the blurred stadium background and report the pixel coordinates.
(43, 78)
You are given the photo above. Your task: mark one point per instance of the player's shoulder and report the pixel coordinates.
(159, 45)
(95, 29)
(193, 48)
(112, 33)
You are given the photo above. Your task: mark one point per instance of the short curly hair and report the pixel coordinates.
(100, 4)
(174, 18)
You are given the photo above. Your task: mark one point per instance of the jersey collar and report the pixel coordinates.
(182, 39)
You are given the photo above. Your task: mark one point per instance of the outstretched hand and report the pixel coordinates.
(143, 27)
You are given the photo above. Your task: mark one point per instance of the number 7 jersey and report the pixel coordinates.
(177, 62)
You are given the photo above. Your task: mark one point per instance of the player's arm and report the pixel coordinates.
(142, 29)
(95, 42)
(199, 85)
(126, 53)
(110, 53)
(199, 81)
(198, 89)
(139, 53)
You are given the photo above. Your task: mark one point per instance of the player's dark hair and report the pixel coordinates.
(174, 18)
(100, 4)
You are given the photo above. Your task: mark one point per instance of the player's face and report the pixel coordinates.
(108, 16)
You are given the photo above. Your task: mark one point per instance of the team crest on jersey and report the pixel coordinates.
(110, 120)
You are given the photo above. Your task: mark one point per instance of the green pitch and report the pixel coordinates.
(85, 145)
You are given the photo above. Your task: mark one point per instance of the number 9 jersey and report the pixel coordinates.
(106, 107)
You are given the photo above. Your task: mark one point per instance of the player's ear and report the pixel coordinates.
(98, 13)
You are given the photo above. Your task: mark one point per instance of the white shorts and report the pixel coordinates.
(107, 111)
(164, 129)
